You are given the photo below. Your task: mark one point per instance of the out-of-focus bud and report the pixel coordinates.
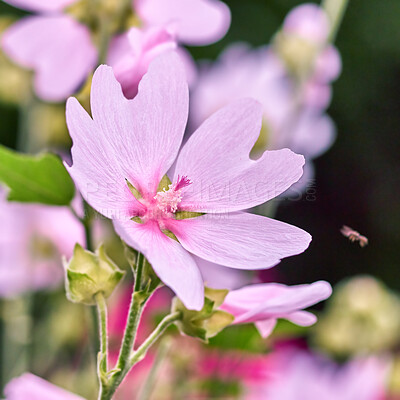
(303, 36)
(394, 381)
(90, 273)
(83, 95)
(115, 16)
(363, 317)
(14, 81)
(207, 322)
(263, 140)
(47, 127)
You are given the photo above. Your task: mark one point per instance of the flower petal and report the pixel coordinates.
(218, 277)
(280, 301)
(41, 5)
(96, 169)
(240, 240)
(302, 318)
(131, 53)
(29, 386)
(173, 264)
(216, 160)
(143, 134)
(58, 48)
(197, 22)
(134, 139)
(266, 327)
(308, 21)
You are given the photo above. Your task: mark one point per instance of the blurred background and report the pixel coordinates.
(357, 181)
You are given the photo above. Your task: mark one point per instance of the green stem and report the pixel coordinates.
(102, 358)
(135, 311)
(140, 353)
(87, 224)
(335, 10)
(102, 316)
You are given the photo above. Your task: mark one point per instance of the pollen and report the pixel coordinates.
(168, 200)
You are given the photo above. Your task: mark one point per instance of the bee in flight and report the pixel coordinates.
(354, 236)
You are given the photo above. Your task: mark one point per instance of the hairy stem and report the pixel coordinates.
(102, 357)
(140, 353)
(135, 311)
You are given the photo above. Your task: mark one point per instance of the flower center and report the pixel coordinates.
(168, 200)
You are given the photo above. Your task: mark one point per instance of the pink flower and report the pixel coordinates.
(259, 73)
(310, 23)
(195, 22)
(55, 46)
(32, 240)
(121, 155)
(131, 53)
(316, 378)
(264, 303)
(29, 386)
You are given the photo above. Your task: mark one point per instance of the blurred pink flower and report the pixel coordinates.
(316, 378)
(260, 74)
(33, 238)
(137, 141)
(58, 48)
(264, 303)
(29, 386)
(194, 22)
(310, 23)
(131, 53)
(232, 365)
(43, 6)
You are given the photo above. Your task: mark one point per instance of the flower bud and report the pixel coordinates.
(207, 322)
(89, 273)
(362, 317)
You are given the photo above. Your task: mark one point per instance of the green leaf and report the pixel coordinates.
(35, 179)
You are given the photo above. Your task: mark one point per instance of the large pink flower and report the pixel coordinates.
(134, 143)
(264, 303)
(195, 22)
(33, 238)
(54, 45)
(29, 386)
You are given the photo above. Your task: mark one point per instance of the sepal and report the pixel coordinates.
(90, 273)
(207, 322)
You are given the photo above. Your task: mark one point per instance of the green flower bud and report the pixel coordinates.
(362, 317)
(207, 322)
(89, 273)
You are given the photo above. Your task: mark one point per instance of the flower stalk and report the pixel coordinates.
(102, 318)
(335, 10)
(139, 298)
